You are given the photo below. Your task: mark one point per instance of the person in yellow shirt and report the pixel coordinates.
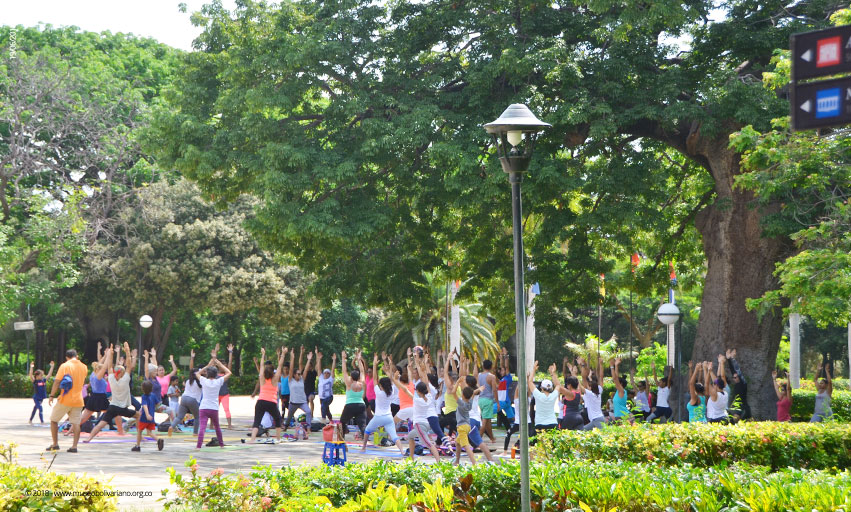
(70, 400)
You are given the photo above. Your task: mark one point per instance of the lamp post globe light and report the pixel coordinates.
(668, 313)
(514, 134)
(145, 321)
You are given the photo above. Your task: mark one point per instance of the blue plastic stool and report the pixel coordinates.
(331, 454)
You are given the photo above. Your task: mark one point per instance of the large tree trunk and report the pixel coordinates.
(100, 327)
(740, 265)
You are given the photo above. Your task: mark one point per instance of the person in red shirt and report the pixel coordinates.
(784, 397)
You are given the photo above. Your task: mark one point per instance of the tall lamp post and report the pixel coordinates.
(145, 321)
(668, 314)
(514, 134)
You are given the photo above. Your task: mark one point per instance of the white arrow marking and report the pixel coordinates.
(808, 55)
(807, 106)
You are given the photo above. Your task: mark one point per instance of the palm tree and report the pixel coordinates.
(594, 346)
(426, 327)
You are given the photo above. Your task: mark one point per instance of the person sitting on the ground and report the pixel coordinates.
(663, 410)
(716, 403)
(697, 394)
(739, 390)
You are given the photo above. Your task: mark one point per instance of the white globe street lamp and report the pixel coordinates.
(668, 313)
(514, 134)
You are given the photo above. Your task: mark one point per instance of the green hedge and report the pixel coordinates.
(804, 402)
(555, 486)
(24, 488)
(772, 444)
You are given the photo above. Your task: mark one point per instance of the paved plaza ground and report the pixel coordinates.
(109, 458)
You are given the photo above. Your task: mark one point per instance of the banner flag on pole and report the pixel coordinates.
(530, 328)
(455, 321)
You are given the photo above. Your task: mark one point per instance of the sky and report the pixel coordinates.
(159, 19)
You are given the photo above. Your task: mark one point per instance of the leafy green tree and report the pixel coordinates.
(327, 108)
(182, 254)
(70, 102)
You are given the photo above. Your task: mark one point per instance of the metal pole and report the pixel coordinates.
(631, 321)
(678, 348)
(515, 179)
(138, 348)
(27, 336)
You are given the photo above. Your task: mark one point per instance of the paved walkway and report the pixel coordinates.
(109, 458)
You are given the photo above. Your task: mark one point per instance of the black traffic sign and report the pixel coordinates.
(821, 53)
(821, 104)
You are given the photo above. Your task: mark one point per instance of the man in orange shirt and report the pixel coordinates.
(70, 401)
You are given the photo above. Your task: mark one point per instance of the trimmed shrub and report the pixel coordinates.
(555, 486)
(24, 488)
(772, 444)
(804, 403)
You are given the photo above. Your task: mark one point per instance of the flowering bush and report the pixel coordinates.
(24, 488)
(772, 444)
(555, 486)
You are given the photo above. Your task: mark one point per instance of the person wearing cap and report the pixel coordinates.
(545, 402)
(326, 386)
(120, 401)
(70, 401)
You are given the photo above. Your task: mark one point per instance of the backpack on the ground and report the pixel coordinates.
(164, 426)
(316, 426)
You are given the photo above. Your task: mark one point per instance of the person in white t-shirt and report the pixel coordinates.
(423, 401)
(663, 410)
(383, 416)
(592, 394)
(121, 400)
(211, 383)
(716, 396)
(545, 402)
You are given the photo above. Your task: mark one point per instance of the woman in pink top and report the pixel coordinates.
(268, 399)
(784, 397)
(369, 394)
(161, 376)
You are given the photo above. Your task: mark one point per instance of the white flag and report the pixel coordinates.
(455, 323)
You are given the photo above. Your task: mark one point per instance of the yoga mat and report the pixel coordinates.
(227, 447)
(127, 440)
(194, 439)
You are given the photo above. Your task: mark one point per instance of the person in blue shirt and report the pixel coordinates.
(150, 399)
(39, 381)
(284, 390)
